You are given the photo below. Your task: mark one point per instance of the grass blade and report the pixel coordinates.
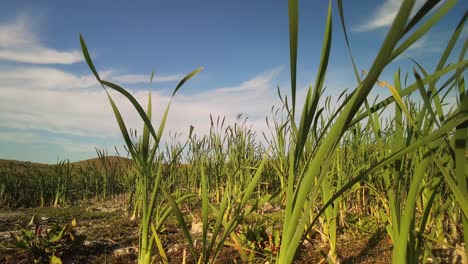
(88, 59)
(293, 11)
(182, 223)
(135, 104)
(186, 78)
(422, 30)
(343, 26)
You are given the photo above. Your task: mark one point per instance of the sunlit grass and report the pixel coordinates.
(406, 171)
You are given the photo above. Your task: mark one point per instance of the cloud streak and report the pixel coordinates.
(39, 101)
(45, 78)
(26, 103)
(384, 14)
(43, 105)
(19, 44)
(143, 78)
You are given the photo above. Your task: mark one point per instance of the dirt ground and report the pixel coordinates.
(108, 236)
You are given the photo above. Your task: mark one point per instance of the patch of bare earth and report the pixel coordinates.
(109, 236)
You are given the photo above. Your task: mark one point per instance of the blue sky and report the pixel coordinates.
(52, 108)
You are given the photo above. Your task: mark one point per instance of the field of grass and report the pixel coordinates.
(336, 182)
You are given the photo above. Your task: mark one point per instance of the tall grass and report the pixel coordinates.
(144, 153)
(321, 168)
(303, 185)
(61, 184)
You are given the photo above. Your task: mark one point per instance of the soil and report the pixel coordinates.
(108, 236)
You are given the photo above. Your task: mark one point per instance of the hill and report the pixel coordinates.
(94, 162)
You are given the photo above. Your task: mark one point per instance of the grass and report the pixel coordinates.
(407, 172)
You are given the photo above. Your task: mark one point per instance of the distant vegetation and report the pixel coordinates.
(26, 184)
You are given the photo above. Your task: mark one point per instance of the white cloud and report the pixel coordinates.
(258, 83)
(70, 146)
(26, 137)
(421, 43)
(383, 16)
(14, 34)
(142, 78)
(253, 98)
(19, 137)
(19, 43)
(51, 78)
(40, 99)
(45, 78)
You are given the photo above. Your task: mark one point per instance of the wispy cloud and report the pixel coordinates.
(26, 137)
(44, 105)
(142, 78)
(49, 78)
(27, 103)
(19, 136)
(19, 44)
(258, 83)
(45, 78)
(384, 14)
(252, 98)
(421, 43)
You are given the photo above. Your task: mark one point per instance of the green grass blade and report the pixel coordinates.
(88, 59)
(186, 78)
(435, 94)
(123, 128)
(157, 239)
(453, 40)
(162, 124)
(343, 26)
(401, 240)
(156, 184)
(205, 207)
(304, 125)
(433, 139)
(426, 214)
(384, 54)
(310, 106)
(219, 220)
(460, 195)
(168, 210)
(182, 223)
(254, 182)
(461, 172)
(135, 104)
(293, 9)
(291, 233)
(422, 12)
(425, 96)
(325, 55)
(459, 67)
(146, 132)
(396, 95)
(422, 30)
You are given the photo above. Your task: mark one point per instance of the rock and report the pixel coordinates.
(197, 228)
(125, 251)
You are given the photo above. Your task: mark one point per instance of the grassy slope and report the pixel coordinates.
(16, 164)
